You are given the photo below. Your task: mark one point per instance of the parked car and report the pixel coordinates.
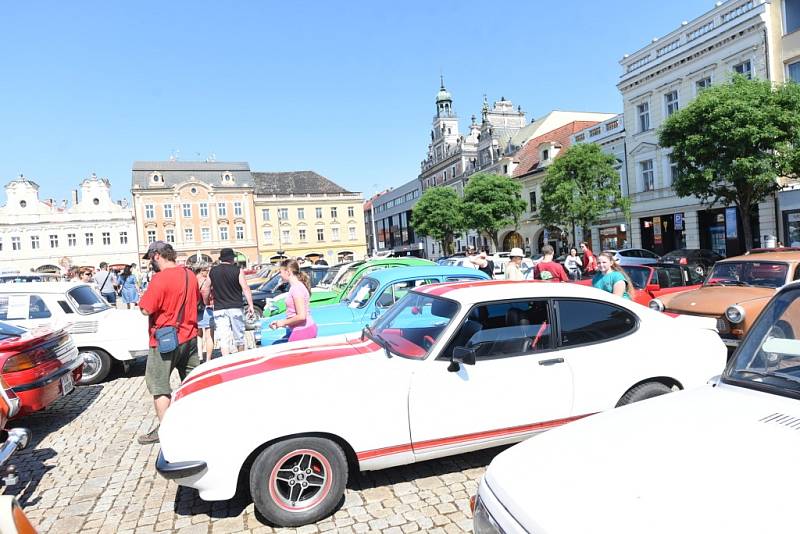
(634, 256)
(657, 279)
(41, 365)
(672, 464)
(21, 278)
(347, 279)
(371, 297)
(274, 287)
(699, 259)
(103, 334)
(448, 369)
(12, 518)
(736, 291)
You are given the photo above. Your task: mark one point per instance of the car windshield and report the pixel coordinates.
(316, 275)
(271, 285)
(88, 300)
(360, 294)
(748, 273)
(9, 330)
(414, 324)
(769, 358)
(348, 275)
(680, 253)
(639, 275)
(330, 277)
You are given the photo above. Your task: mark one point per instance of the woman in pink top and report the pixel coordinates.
(298, 315)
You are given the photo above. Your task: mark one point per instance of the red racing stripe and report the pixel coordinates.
(465, 438)
(439, 290)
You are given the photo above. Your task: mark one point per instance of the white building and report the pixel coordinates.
(44, 235)
(736, 36)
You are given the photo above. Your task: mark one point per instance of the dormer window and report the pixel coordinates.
(22, 203)
(545, 154)
(227, 178)
(156, 178)
(96, 201)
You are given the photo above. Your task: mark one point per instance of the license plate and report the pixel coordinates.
(67, 385)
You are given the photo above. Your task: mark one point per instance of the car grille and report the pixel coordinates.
(82, 327)
(782, 419)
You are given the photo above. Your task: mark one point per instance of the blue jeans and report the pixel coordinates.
(110, 297)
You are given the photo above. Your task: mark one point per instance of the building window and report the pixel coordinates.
(72, 240)
(205, 234)
(223, 233)
(237, 209)
(222, 209)
(594, 132)
(1, 245)
(648, 178)
(239, 232)
(106, 238)
(188, 235)
(545, 154)
(268, 237)
(333, 213)
(351, 212)
(34, 241)
(335, 234)
(671, 102)
(532, 201)
(151, 236)
(301, 214)
(204, 210)
(149, 211)
(15, 244)
(167, 211)
(53, 241)
(643, 112)
(318, 212)
(793, 71)
(265, 214)
(89, 238)
(187, 209)
(320, 234)
(673, 171)
(702, 83)
(283, 214)
(580, 138)
(170, 233)
(744, 68)
(351, 233)
(285, 236)
(123, 238)
(302, 234)
(791, 12)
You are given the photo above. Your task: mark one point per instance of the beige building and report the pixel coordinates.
(305, 214)
(199, 207)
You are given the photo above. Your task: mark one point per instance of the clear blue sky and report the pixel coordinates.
(343, 88)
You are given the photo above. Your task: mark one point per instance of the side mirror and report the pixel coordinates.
(653, 287)
(461, 355)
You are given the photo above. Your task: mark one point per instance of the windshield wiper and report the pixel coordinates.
(766, 374)
(367, 332)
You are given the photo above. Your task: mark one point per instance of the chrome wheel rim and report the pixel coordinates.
(300, 480)
(91, 364)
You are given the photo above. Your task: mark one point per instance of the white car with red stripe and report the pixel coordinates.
(448, 369)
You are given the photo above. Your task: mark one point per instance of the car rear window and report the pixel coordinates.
(9, 330)
(88, 300)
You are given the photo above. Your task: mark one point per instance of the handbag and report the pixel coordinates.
(167, 336)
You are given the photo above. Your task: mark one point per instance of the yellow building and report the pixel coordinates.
(304, 214)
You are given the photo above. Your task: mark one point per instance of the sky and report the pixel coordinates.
(343, 88)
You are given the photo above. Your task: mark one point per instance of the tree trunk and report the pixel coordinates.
(744, 213)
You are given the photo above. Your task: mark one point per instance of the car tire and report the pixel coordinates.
(96, 366)
(279, 471)
(644, 391)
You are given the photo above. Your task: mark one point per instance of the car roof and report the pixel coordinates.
(488, 290)
(397, 273)
(391, 261)
(788, 256)
(40, 287)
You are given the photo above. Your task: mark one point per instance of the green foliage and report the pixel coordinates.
(492, 202)
(733, 141)
(581, 185)
(439, 214)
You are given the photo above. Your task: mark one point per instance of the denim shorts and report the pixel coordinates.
(207, 320)
(229, 327)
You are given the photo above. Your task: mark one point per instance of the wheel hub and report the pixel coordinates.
(300, 480)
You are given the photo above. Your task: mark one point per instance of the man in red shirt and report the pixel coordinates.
(172, 289)
(547, 269)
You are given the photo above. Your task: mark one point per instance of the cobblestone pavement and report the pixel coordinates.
(84, 472)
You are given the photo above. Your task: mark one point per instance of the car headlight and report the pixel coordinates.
(735, 314)
(656, 305)
(483, 522)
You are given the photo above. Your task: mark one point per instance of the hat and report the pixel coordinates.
(226, 254)
(156, 246)
(516, 252)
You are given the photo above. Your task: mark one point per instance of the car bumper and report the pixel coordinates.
(37, 394)
(178, 470)
(491, 517)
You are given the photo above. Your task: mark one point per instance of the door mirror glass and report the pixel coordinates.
(461, 355)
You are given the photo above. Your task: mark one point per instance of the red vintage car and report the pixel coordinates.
(656, 279)
(12, 518)
(40, 365)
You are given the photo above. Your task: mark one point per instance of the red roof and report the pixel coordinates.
(528, 157)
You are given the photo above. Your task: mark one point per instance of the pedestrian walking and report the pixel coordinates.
(170, 303)
(230, 288)
(589, 259)
(514, 266)
(547, 269)
(85, 275)
(611, 277)
(298, 320)
(129, 287)
(206, 323)
(107, 283)
(573, 264)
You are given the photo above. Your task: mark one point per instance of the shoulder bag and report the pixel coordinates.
(167, 336)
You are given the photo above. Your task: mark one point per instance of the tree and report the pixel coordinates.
(492, 202)
(733, 141)
(580, 186)
(439, 214)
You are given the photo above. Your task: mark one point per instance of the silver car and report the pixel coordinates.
(634, 256)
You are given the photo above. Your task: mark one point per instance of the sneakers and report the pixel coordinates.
(150, 437)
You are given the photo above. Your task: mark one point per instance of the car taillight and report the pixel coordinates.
(683, 261)
(19, 362)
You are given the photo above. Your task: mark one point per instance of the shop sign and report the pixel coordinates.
(730, 223)
(657, 230)
(610, 231)
(678, 221)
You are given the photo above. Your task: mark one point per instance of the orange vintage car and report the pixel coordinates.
(736, 291)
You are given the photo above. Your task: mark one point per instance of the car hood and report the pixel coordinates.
(683, 462)
(324, 294)
(330, 315)
(714, 300)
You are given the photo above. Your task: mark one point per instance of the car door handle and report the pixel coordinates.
(551, 361)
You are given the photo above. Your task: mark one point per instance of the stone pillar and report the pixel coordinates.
(767, 223)
(635, 233)
(692, 229)
(596, 244)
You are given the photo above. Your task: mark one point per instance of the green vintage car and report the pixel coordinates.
(341, 279)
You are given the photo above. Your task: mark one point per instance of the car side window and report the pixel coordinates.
(23, 307)
(504, 329)
(398, 290)
(693, 277)
(583, 322)
(797, 273)
(462, 278)
(670, 277)
(650, 255)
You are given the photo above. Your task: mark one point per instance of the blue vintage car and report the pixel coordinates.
(370, 297)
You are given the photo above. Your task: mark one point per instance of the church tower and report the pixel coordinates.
(444, 134)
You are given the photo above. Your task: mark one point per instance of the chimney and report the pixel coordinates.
(74, 197)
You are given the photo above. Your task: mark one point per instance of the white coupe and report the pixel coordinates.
(717, 459)
(448, 369)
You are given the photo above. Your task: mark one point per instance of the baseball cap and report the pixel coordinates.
(156, 246)
(226, 254)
